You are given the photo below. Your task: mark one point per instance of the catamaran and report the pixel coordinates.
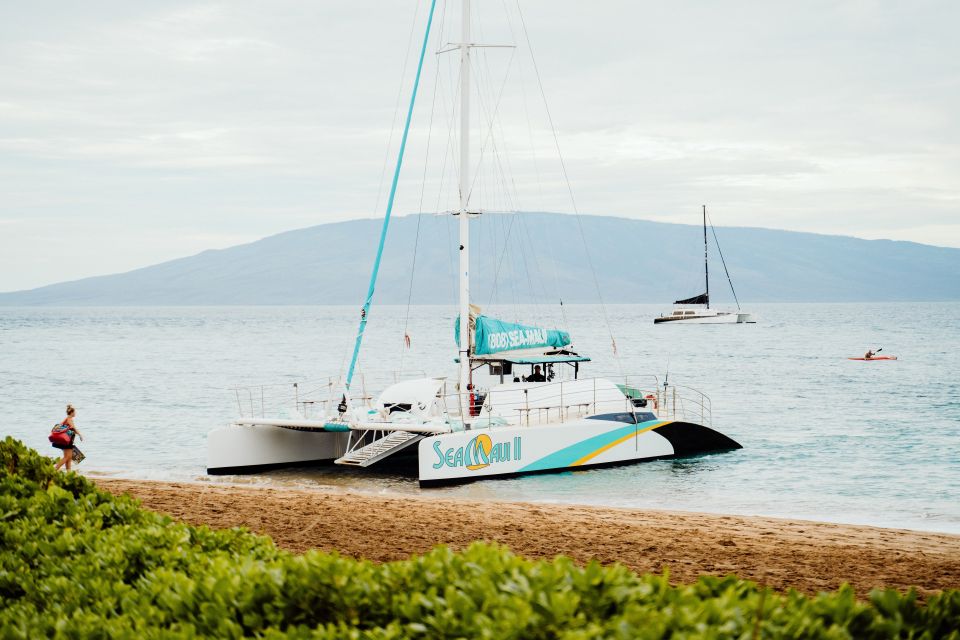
(519, 403)
(697, 310)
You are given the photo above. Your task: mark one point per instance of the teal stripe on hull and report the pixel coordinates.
(567, 456)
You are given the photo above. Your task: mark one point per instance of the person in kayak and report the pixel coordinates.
(869, 354)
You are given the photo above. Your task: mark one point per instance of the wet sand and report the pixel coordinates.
(807, 556)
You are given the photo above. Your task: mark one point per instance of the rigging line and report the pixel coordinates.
(501, 151)
(526, 268)
(511, 199)
(512, 282)
(526, 235)
(393, 120)
(496, 273)
(509, 287)
(512, 219)
(540, 271)
(423, 186)
(526, 112)
(566, 177)
(491, 224)
(722, 261)
(396, 108)
(454, 140)
(393, 192)
(441, 185)
(492, 118)
(536, 171)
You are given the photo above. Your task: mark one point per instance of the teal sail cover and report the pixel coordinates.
(493, 336)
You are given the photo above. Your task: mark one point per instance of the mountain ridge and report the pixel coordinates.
(634, 261)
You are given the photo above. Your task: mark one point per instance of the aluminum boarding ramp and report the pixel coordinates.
(379, 449)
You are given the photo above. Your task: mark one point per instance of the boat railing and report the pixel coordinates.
(311, 398)
(688, 404)
(518, 403)
(552, 402)
(301, 398)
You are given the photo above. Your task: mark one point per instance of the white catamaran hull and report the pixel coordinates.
(244, 448)
(469, 455)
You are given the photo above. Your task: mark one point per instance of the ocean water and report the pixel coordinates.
(824, 438)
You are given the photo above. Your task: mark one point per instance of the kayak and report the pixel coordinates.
(875, 358)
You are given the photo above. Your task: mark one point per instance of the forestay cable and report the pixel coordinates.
(723, 262)
(364, 312)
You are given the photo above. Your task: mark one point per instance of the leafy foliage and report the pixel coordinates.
(76, 562)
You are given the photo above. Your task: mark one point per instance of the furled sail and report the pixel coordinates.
(703, 298)
(491, 335)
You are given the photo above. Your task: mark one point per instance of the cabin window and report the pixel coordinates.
(635, 417)
(678, 313)
(689, 313)
(398, 407)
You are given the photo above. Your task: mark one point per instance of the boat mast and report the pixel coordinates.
(464, 374)
(706, 265)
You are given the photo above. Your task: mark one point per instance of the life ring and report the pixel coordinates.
(652, 397)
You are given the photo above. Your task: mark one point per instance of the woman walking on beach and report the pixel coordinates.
(72, 431)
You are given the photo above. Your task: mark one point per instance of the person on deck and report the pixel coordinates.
(73, 432)
(536, 376)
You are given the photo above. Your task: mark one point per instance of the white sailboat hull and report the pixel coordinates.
(708, 318)
(517, 450)
(248, 448)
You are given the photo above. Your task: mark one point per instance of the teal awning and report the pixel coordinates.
(493, 336)
(545, 359)
(521, 359)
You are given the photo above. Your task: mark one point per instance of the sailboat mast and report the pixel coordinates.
(464, 374)
(706, 265)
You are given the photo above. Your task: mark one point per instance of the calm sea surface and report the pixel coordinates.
(824, 438)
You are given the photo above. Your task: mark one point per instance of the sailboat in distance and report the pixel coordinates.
(517, 404)
(697, 310)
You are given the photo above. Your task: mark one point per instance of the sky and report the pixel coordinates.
(133, 133)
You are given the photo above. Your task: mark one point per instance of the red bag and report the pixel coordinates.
(60, 436)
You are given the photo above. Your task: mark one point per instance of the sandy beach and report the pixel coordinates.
(807, 556)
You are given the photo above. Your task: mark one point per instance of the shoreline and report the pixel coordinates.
(804, 555)
(97, 475)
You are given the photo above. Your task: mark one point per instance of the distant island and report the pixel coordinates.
(545, 261)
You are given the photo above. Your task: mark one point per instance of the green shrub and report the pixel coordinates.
(76, 562)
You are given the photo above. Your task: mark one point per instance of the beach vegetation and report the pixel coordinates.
(77, 562)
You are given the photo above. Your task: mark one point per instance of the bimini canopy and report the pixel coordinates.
(416, 397)
(700, 299)
(496, 336)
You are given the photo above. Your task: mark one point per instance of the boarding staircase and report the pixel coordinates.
(379, 449)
